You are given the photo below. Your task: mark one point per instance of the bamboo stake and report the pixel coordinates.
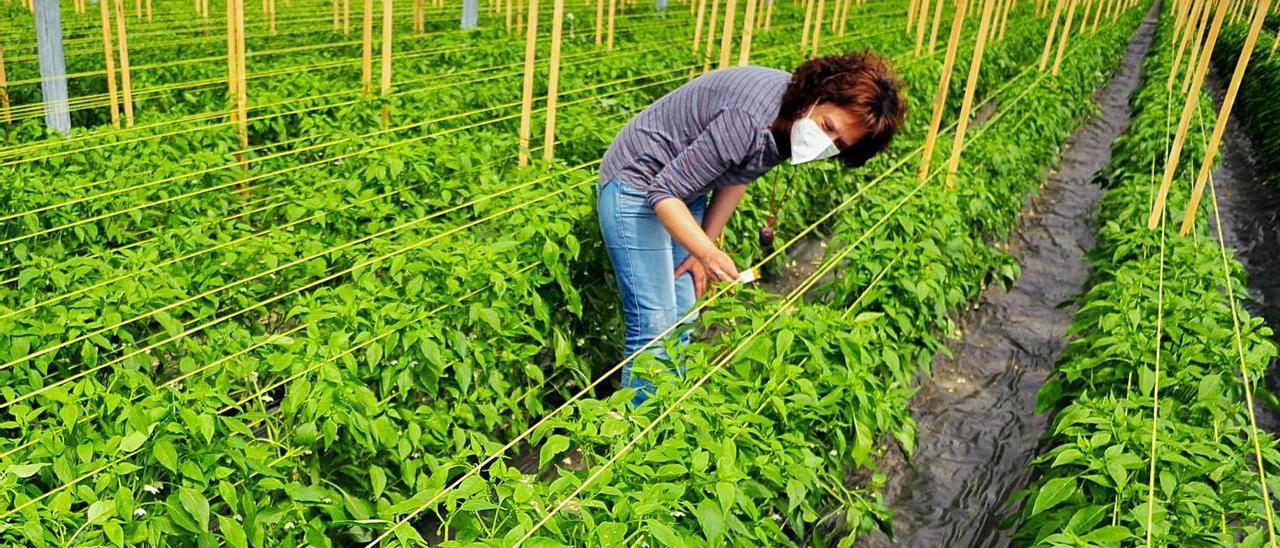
(148, 11)
(1004, 18)
(697, 28)
(937, 16)
(600, 25)
(726, 34)
(137, 8)
(1220, 125)
(526, 94)
(1062, 38)
(1274, 42)
(1097, 16)
(944, 84)
(1053, 28)
(242, 88)
(808, 19)
(388, 9)
(922, 20)
(520, 17)
(970, 87)
(711, 36)
(1193, 52)
(366, 52)
(613, 18)
(553, 81)
(844, 17)
(759, 24)
(271, 16)
(112, 94)
(748, 25)
(835, 10)
(204, 9)
(126, 80)
(599, 14)
(768, 14)
(1182, 9)
(336, 10)
(911, 14)
(1197, 7)
(4, 86)
(233, 79)
(1188, 109)
(817, 27)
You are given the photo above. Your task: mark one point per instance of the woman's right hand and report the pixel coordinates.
(719, 265)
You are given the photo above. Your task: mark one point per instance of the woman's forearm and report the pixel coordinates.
(684, 229)
(723, 202)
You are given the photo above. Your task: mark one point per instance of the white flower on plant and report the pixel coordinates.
(570, 16)
(677, 514)
(266, 398)
(288, 526)
(254, 376)
(327, 500)
(238, 517)
(139, 513)
(152, 489)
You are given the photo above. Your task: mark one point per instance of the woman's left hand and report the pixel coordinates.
(695, 269)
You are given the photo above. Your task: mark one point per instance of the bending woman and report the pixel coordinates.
(716, 134)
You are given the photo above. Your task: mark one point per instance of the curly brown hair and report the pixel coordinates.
(861, 82)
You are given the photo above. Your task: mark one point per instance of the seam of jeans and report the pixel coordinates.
(626, 250)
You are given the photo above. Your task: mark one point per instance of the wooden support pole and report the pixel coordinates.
(137, 4)
(759, 25)
(911, 14)
(922, 20)
(817, 27)
(600, 24)
(1063, 37)
(808, 20)
(697, 29)
(1097, 16)
(148, 11)
(271, 16)
(553, 81)
(1053, 28)
(768, 14)
(126, 77)
(233, 78)
(366, 66)
(526, 94)
(844, 17)
(944, 84)
(613, 20)
(336, 10)
(112, 94)
(1197, 6)
(1224, 112)
(346, 17)
(711, 37)
(4, 88)
(1004, 18)
(1274, 42)
(388, 10)
(726, 34)
(1181, 10)
(511, 8)
(1188, 110)
(937, 17)
(970, 87)
(242, 69)
(748, 26)
(1193, 52)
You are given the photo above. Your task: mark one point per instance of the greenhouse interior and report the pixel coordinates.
(853, 273)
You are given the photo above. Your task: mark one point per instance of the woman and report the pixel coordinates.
(716, 134)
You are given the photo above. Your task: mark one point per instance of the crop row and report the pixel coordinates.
(1162, 321)
(1256, 103)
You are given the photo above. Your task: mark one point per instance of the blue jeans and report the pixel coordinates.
(644, 261)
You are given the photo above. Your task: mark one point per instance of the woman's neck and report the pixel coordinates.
(781, 130)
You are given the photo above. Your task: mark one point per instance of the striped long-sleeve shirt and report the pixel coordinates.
(710, 133)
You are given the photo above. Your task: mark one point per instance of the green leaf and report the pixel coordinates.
(132, 442)
(379, 479)
(196, 505)
(1053, 492)
(100, 511)
(114, 533)
(165, 454)
(555, 445)
(709, 519)
(233, 532)
(1108, 534)
(664, 535)
(25, 470)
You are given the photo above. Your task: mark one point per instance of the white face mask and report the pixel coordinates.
(809, 142)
